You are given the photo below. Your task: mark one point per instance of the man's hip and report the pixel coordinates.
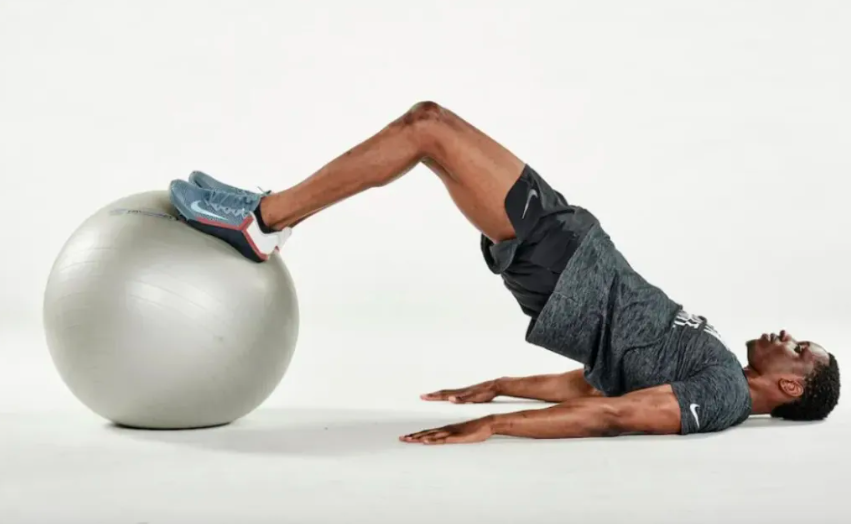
(548, 232)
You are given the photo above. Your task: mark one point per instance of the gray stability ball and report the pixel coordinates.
(152, 324)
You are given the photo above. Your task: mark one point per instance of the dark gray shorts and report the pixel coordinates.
(549, 230)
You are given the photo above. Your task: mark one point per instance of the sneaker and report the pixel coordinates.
(226, 215)
(205, 181)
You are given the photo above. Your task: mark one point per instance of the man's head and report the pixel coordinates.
(799, 379)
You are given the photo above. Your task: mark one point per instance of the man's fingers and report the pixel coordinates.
(433, 442)
(425, 435)
(435, 435)
(436, 395)
(420, 434)
(452, 434)
(443, 394)
(451, 437)
(455, 395)
(457, 439)
(476, 396)
(419, 438)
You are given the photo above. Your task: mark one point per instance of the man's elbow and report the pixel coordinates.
(613, 419)
(630, 418)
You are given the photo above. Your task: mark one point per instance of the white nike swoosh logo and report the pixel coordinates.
(693, 409)
(532, 193)
(195, 207)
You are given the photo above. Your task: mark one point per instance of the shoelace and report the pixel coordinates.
(232, 203)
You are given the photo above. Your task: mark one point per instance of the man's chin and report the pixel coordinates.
(751, 345)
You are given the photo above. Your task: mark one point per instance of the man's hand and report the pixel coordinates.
(476, 430)
(475, 394)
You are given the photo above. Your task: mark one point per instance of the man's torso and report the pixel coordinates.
(630, 335)
(587, 303)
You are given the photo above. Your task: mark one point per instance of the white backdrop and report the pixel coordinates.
(711, 139)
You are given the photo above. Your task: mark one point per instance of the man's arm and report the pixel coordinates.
(649, 411)
(558, 387)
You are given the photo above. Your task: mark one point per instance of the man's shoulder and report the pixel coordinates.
(714, 398)
(715, 395)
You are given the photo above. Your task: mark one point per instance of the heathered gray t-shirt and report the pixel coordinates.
(631, 336)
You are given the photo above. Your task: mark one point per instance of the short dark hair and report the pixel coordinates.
(821, 394)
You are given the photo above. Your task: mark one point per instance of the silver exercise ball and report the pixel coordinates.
(153, 324)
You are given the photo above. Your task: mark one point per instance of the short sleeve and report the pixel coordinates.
(713, 400)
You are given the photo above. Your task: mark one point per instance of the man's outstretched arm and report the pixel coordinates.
(649, 411)
(557, 387)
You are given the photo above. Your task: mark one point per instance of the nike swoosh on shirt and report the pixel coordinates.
(197, 208)
(532, 193)
(693, 409)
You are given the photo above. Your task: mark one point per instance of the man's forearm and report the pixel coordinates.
(582, 418)
(549, 388)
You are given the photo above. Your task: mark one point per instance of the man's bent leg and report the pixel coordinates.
(477, 171)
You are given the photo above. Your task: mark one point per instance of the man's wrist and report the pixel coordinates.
(498, 386)
(498, 422)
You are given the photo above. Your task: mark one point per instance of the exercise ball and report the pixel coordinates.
(152, 324)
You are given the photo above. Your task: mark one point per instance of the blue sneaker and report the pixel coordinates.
(229, 216)
(205, 181)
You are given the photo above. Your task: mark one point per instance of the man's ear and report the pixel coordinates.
(793, 387)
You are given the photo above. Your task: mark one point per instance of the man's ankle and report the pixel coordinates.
(262, 221)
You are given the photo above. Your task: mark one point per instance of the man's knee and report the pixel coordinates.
(424, 112)
(428, 124)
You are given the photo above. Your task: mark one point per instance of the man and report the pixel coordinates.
(649, 366)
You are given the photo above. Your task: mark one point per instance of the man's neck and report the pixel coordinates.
(760, 404)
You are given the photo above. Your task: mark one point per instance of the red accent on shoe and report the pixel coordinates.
(242, 228)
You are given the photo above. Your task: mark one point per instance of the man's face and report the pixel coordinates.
(783, 355)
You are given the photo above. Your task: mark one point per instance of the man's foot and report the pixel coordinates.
(205, 181)
(230, 216)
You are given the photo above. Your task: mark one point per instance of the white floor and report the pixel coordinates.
(329, 460)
